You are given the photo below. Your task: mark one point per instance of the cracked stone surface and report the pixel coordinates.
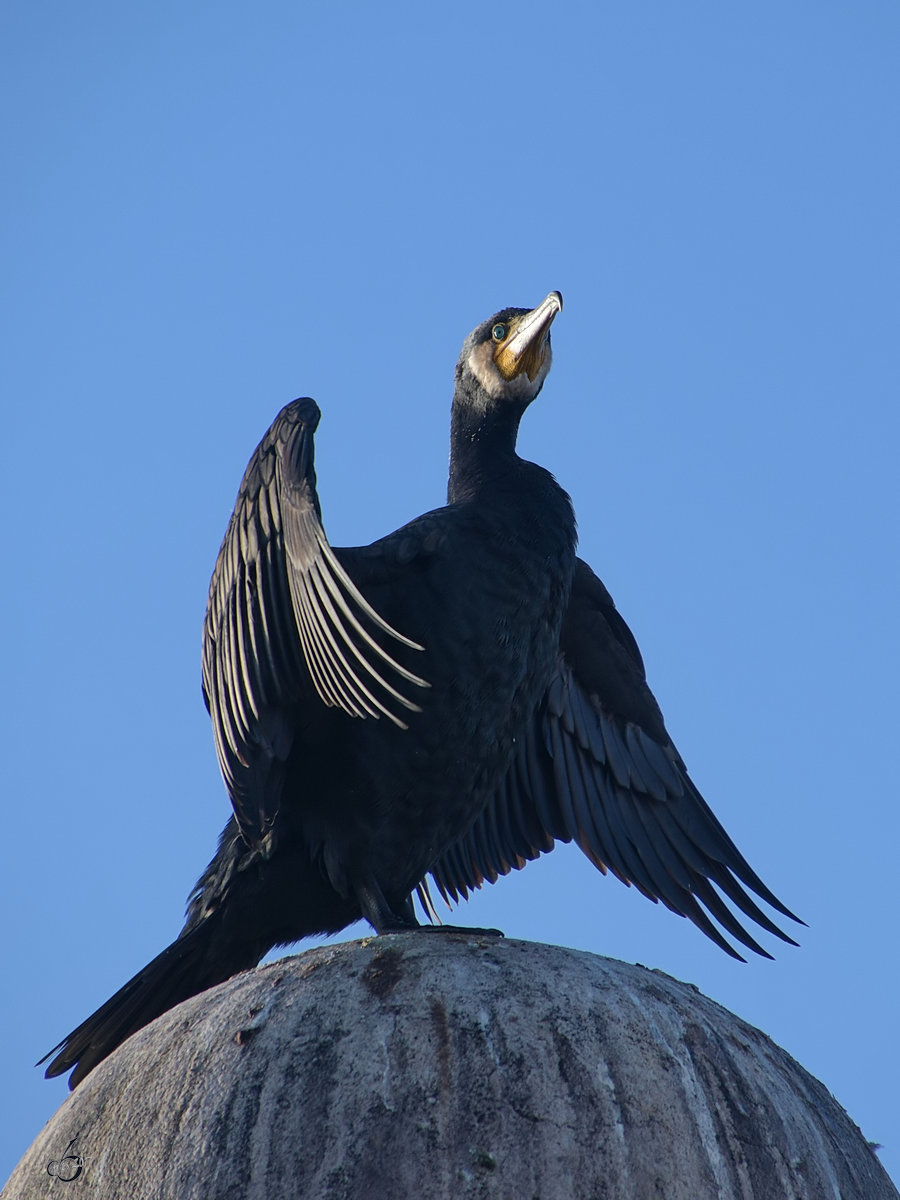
(451, 1066)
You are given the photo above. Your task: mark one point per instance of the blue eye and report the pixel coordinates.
(499, 332)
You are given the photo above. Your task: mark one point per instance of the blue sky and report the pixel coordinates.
(211, 209)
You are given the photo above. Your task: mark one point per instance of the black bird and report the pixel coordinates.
(451, 700)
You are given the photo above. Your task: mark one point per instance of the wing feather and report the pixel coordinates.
(595, 764)
(286, 624)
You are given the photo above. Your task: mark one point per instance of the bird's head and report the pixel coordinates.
(508, 356)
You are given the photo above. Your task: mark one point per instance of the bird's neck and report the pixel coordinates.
(482, 450)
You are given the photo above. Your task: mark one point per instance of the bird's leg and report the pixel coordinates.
(379, 913)
(407, 909)
(385, 919)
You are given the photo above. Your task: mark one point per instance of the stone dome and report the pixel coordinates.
(450, 1065)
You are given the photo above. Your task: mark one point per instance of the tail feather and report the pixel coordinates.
(217, 941)
(242, 906)
(180, 971)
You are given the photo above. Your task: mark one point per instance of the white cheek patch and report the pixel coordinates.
(483, 367)
(481, 364)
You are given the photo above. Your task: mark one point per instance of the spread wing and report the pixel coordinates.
(286, 625)
(596, 766)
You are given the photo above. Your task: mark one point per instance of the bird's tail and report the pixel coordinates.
(182, 970)
(242, 906)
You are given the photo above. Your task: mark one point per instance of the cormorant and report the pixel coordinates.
(450, 700)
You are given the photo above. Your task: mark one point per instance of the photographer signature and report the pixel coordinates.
(69, 1166)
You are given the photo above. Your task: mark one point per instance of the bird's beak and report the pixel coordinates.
(526, 346)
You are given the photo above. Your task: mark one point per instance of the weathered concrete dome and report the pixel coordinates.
(443, 1065)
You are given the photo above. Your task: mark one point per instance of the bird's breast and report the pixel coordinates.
(487, 606)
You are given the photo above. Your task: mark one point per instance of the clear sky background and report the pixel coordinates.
(212, 208)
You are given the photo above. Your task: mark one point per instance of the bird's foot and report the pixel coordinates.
(472, 930)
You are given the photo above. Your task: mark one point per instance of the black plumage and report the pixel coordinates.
(449, 701)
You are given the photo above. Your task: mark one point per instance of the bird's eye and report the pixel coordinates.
(499, 332)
